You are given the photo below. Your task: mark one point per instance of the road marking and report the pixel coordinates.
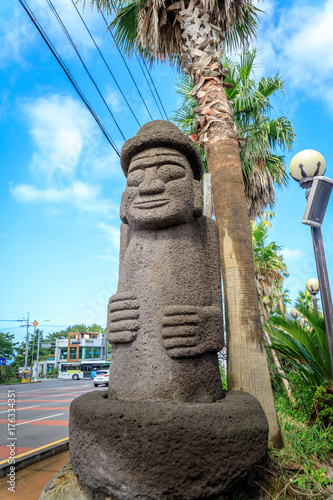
(17, 409)
(36, 419)
(34, 450)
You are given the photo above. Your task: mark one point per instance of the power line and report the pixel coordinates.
(82, 62)
(158, 95)
(12, 320)
(152, 93)
(106, 64)
(69, 76)
(120, 52)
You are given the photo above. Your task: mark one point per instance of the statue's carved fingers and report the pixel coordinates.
(123, 316)
(122, 337)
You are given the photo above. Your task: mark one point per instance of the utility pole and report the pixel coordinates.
(26, 345)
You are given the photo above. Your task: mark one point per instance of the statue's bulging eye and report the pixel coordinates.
(135, 178)
(169, 173)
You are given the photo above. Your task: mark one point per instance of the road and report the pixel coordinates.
(40, 417)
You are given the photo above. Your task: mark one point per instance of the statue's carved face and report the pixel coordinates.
(159, 190)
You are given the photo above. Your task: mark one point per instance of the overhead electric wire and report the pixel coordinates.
(106, 64)
(83, 64)
(158, 95)
(69, 76)
(12, 320)
(144, 74)
(120, 52)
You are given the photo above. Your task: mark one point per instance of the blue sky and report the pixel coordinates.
(61, 181)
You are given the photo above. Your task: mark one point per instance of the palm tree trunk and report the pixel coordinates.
(247, 359)
(278, 366)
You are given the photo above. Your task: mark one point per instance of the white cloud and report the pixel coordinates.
(111, 233)
(297, 40)
(79, 194)
(295, 253)
(59, 125)
(15, 36)
(20, 35)
(114, 100)
(67, 140)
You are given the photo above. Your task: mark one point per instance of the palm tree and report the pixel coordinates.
(269, 266)
(190, 33)
(259, 135)
(304, 343)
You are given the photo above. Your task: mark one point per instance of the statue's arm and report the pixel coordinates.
(189, 330)
(123, 307)
(214, 323)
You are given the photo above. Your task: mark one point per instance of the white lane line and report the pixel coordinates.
(18, 409)
(66, 394)
(16, 401)
(37, 419)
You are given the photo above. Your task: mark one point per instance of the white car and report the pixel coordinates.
(101, 377)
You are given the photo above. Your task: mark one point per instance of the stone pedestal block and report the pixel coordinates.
(160, 450)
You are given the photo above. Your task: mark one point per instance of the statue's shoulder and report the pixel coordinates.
(207, 225)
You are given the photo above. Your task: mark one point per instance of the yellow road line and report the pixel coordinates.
(32, 451)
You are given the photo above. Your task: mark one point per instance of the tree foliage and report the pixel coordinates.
(7, 345)
(259, 135)
(304, 343)
(269, 266)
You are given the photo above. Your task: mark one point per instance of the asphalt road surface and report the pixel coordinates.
(35, 416)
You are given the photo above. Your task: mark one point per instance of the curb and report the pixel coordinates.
(23, 462)
(21, 384)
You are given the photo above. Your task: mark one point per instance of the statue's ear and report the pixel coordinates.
(198, 198)
(123, 207)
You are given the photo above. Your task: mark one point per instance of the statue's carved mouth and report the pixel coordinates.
(151, 203)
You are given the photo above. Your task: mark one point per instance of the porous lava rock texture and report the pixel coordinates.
(165, 430)
(165, 450)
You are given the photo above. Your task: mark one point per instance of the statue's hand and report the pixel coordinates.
(123, 318)
(191, 330)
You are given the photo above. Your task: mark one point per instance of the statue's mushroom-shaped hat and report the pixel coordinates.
(161, 133)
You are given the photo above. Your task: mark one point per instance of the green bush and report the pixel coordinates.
(322, 409)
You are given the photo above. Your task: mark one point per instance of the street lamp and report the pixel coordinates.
(35, 323)
(307, 168)
(312, 286)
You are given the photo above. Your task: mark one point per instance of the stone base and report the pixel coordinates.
(155, 450)
(66, 486)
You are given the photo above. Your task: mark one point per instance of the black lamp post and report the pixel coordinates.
(307, 168)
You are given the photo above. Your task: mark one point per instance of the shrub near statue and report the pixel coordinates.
(150, 438)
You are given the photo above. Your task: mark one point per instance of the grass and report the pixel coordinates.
(303, 469)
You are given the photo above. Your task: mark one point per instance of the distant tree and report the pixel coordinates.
(7, 345)
(19, 357)
(304, 299)
(269, 266)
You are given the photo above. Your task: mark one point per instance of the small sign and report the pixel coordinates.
(3, 361)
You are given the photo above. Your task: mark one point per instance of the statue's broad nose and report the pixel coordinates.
(151, 184)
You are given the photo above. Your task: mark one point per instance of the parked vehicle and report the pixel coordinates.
(101, 377)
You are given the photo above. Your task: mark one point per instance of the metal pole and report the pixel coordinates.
(207, 192)
(26, 345)
(37, 355)
(326, 299)
(33, 348)
(315, 302)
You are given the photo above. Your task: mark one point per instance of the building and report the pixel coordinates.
(79, 346)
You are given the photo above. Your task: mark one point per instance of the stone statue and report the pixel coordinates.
(165, 321)
(165, 430)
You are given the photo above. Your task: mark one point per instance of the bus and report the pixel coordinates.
(76, 370)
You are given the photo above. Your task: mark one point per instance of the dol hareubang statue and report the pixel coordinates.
(165, 321)
(164, 431)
